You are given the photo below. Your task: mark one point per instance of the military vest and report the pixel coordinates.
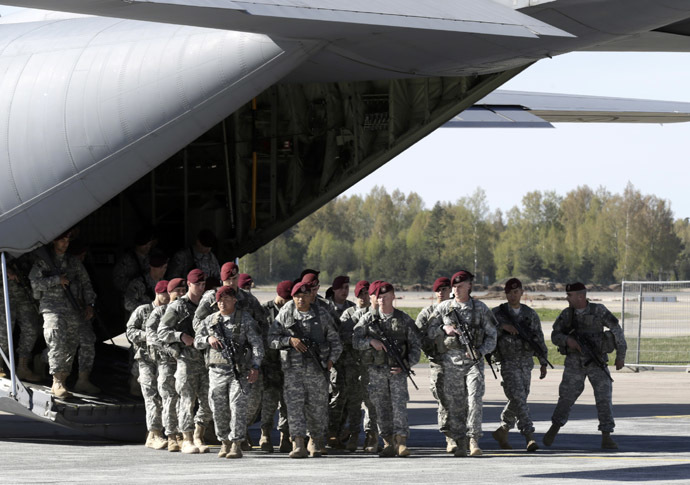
(395, 328)
(474, 326)
(234, 334)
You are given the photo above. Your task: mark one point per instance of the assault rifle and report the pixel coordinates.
(393, 350)
(586, 347)
(465, 338)
(312, 351)
(229, 353)
(527, 336)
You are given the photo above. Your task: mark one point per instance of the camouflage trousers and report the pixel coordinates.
(228, 403)
(24, 313)
(191, 384)
(438, 391)
(255, 394)
(388, 394)
(572, 385)
(463, 384)
(61, 332)
(4, 344)
(272, 398)
(346, 399)
(166, 388)
(87, 347)
(148, 377)
(369, 421)
(517, 377)
(305, 391)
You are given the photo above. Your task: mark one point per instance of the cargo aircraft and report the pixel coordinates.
(246, 116)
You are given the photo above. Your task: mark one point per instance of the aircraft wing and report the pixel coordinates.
(316, 19)
(519, 109)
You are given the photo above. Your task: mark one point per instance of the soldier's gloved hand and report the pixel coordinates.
(395, 370)
(450, 330)
(187, 340)
(329, 365)
(253, 376)
(64, 281)
(572, 344)
(542, 371)
(507, 327)
(298, 344)
(215, 343)
(620, 363)
(11, 275)
(377, 344)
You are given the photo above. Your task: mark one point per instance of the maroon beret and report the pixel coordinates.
(176, 283)
(511, 284)
(308, 271)
(373, 286)
(225, 290)
(300, 287)
(383, 288)
(310, 279)
(574, 287)
(339, 281)
(461, 276)
(161, 286)
(441, 282)
(196, 276)
(284, 289)
(245, 280)
(228, 270)
(361, 285)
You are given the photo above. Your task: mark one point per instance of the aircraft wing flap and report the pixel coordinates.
(322, 19)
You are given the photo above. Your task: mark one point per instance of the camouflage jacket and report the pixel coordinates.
(45, 283)
(513, 347)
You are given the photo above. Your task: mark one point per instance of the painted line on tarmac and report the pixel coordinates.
(596, 457)
(682, 416)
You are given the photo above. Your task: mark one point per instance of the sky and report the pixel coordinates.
(507, 163)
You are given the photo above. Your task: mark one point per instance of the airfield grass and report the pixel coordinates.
(658, 351)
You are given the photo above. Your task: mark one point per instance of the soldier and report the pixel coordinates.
(134, 262)
(233, 330)
(245, 282)
(148, 369)
(198, 256)
(272, 398)
(387, 382)
(191, 377)
(311, 277)
(463, 366)
(309, 346)
(341, 289)
(164, 356)
(433, 350)
(140, 290)
(579, 333)
(517, 361)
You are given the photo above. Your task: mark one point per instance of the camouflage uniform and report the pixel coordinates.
(166, 368)
(589, 323)
(191, 376)
(148, 370)
(272, 376)
(128, 267)
(24, 310)
(87, 346)
(463, 379)
(388, 392)
(426, 320)
(305, 387)
(187, 259)
(369, 421)
(140, 291)
(61, 321)
(227, 397)
(517, 361)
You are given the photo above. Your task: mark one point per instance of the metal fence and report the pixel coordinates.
(656, 322)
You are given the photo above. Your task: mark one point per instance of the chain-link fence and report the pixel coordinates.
(656, 322)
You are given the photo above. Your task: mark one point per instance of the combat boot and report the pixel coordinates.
(199, 431)
(24, 373)
(84, 385)
(475, 450)
(313, 448)
(149, 440)
(265, 440)
(246, 445)
(401, 448)
(235, 450)
(298, 449)
(158, 442)
(2, 371)
(179, 438)
(334, 442)
(224, 448)
(531, 443)
(551, 435)
(351, 444)
(461, 450)
(501, 435)
(373, 444)
(188, 443)
(451, 444)
(59, 390)
(173, 445)
(388, 447)
(285, 444)
(607, 443)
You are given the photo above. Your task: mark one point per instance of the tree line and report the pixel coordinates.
(587, 235)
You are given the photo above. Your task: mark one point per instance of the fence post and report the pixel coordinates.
(639, 327)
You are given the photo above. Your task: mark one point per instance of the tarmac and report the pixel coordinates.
(652, 411)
